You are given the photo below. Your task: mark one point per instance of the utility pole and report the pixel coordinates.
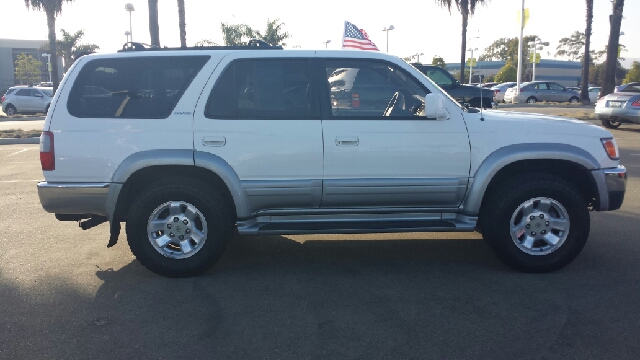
(519, 77)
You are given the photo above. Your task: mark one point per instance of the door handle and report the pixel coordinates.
(214, 141)
(347, 141)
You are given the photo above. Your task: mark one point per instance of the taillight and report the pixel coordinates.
(611, 148)
(1, 101)
(47, 152)
(636, 103)
(496, 91)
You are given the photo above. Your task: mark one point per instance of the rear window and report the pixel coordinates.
(9, 91)
(132, 88)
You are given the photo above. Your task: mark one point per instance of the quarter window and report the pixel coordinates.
(264, 89)
(132, 87)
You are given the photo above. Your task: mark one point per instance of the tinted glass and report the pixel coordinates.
(554, 86)
(367, 89)
(10, 91)
(23, 92)
(48, 92)
(439, 76)
(264, 89)
(133, 88)
(35, 92)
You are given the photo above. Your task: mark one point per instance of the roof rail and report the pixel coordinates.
(253, 44)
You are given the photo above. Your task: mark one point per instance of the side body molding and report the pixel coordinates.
(220, 167)
(512, 153)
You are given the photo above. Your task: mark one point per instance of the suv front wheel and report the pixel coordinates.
(541, 225)
(178, 227)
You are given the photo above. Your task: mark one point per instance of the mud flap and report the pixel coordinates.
(115, 233)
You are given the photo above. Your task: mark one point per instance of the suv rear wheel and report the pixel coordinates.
(10, 110)
(541, 225)
(178, 227)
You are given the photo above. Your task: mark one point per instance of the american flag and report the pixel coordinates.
(354, 38)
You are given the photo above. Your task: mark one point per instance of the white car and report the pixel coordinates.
(26, 99)
(187, 145)
(500, 89)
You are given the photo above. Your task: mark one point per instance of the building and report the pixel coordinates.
(9, 51)
(565, 73)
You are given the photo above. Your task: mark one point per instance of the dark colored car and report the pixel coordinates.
(465, 94)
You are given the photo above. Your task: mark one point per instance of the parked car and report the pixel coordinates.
(574, 88)
(26, 99)
(489, 85)
(537, 91)
(464, 94)
(500, 89)
(619, 108)
(594, 94)
(624, 86)
(188, 146)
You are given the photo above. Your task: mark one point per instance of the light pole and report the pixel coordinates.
(127, 33)
(417, 56)
(326, 43)
(471, 63)
(536, 44)
(129, 7)
(387, 29)
(48, 56)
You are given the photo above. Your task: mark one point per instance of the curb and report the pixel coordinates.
(12, 141)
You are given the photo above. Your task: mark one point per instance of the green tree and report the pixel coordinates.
(182, 24)
(615, 20)
(439, 61)
(240, 34)
(273, 34)
(154, 28)
(507, 73)
(27, 69)
(571, 47)
(633, 74)
(467, 8)
(69, 49)
(52, 8)
(586, 60)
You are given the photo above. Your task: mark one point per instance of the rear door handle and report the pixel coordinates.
(347, 141)
(214, 141)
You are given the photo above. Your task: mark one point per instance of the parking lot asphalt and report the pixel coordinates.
(64, 295)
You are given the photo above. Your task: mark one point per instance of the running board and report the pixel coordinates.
(355, 224)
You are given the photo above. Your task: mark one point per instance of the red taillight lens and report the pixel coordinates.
(611, 148)
(47, 153)
(1, 101)
(636, 103)
(496, 91)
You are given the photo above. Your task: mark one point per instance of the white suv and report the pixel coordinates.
(26, 99)
(187, 145)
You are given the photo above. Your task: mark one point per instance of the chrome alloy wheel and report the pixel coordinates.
(177, 229)
(539, 226)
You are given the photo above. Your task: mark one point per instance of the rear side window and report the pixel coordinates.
(264, 89)
(132, 88)
(10, 91)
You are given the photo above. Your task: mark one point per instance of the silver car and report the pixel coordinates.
(26, 99)
(500, 89)
(537, 91)
(620, 107)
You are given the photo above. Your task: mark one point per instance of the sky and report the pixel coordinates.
(420, 26)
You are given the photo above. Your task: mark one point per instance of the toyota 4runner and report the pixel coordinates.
(186, 146)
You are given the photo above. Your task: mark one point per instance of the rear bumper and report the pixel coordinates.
(612, 184)
(74, 198)
(624, 114)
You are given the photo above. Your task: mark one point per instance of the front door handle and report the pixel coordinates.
(214, 141)
(347, 141)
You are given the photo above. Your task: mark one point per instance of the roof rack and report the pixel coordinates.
(253, 44)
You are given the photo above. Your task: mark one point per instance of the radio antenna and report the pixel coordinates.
(481, 104)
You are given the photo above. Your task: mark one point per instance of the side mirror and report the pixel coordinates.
(434, 107)
(38, 95)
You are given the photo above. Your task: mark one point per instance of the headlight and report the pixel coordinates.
(611, 148)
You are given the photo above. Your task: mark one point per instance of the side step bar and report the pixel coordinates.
(355, 224)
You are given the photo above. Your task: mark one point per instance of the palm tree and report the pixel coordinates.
(69, 49)
(584, 90)
(52, 8)
(154, 28)
(467, 8)
(609, 81)
(182, 24)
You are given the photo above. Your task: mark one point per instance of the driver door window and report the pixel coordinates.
(372, 90)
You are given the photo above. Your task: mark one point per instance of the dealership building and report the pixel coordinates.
(565, 73)
(9, 51)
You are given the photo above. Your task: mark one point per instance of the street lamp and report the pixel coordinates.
(48, 56)
(326, 43)
(387, 29)
(129, 7)
(471, 63)
(127, 34)
(417, 56)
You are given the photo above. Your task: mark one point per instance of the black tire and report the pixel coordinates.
(11, 110)
(611, 124)
(211, 203)
(532, 100)
(501, 204)
(574, 100)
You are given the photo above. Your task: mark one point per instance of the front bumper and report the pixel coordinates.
(74, 198)
(624, 114)
(612, 184)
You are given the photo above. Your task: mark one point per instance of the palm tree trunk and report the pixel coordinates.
(584, 90)
(615, 19)
(51, 25)
(182, 24)
(463, 50)
(154, 28)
